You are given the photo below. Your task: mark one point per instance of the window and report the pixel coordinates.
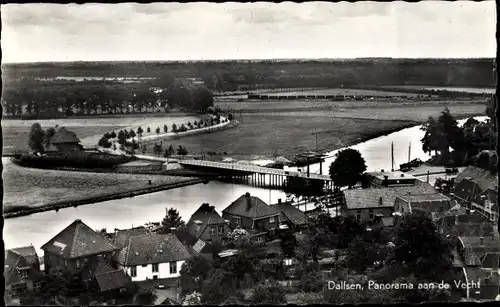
(37, 285)
(370, 213)
(221, 230)
(133, 271)
(358, 215)
(212, 231)
(236, 220)
(65, 262)
(271, 219)
(77, 263)
(259, 239)
(272, 231)
(23, 273)
(85, 260)
(155, 276)
(173, 267)
(155, 267)
(144, 265)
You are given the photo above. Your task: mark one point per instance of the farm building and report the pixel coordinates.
(64, 140)
(426, 203)
(386, 179)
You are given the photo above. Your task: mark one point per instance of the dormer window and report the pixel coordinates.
(271, 219)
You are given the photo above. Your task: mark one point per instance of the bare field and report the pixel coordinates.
(35, 187)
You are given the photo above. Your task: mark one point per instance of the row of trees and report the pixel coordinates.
(454, 145)
(33, 98)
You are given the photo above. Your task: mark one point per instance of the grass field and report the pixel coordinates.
(342, 91)
(35, 187)
(261, 135)
(288, 105)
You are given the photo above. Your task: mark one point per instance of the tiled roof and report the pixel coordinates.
(205, 214)
(491, 260)
(251, 206)
(152, 248)
(474, 172)
(16, 258)
(475, 252)
(424, 197)
(465, 189)
(112, 280)
(122, 236)
(296, 216)
(78, 240)
(370, 198)
(63, 135)
(489, 281)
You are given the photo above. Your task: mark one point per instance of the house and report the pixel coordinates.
(253, 215)
(152, 256)
(477, 189)
(291, 216)
(64, 141)
(389, 179)
(206, 224)
(426, 203)
(76, 248)
(22, 271)
(106, 280)
(469, 224)
(480, 251)
(484, 283)
(371, 203)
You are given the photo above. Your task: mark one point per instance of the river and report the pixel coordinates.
(37, 229)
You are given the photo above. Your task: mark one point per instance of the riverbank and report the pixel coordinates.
(23, 211)
(32, 187)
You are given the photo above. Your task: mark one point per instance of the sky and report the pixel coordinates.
(39, 32)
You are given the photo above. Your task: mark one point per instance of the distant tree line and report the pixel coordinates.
(34, 98)
(234, 75)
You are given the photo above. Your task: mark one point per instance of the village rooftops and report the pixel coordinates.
(121, 236)
(483, 178)
(16, 258)
(152, 248)
(251, 207)
(393, 175)
(78, 240)
(487, 281)
(296, 216)
(382, 197)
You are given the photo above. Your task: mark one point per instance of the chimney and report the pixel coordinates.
(481, 240)
(382, 171)
(249, 200)
(380, 202)
(78, 220)
(402, 175)
(279, 200)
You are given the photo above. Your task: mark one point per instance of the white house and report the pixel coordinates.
(152, 256)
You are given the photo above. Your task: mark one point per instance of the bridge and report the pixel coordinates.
(252, 169)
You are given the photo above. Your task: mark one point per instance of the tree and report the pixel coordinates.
(132, 133)
(218, 287)
(182, 151)
(158, 148)
(158, 130)
(149, 130)
(202, 99)
(113, 134)
(422, 248)
(192, 274)
(165, 128)
(147, 297)
(270, 293)
(139, 131)
(348, 168)
(36, 138)
(174, 127)
(192, 299)
(171, 220)
(230, 116)
(310, 278)
(122, 138)
(364, 252)
(169, 151)
(238, 237)
(103, 142)
(48, 136)
(288, 243)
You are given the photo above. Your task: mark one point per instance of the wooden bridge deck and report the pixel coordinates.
(252, 169)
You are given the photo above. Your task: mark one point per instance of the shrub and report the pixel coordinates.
(76, 160)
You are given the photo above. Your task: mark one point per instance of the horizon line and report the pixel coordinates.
(256, 60)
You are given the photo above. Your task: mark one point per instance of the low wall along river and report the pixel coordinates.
(38, 228)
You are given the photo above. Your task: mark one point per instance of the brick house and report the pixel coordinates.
(206, 224)
(76, 249)
(371, 204)
(22, 271)
(253, 215)
(152, 256)
(292, 217)
(426, 203)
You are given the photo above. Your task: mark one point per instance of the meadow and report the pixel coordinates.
(343, 91)
(36, 187)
